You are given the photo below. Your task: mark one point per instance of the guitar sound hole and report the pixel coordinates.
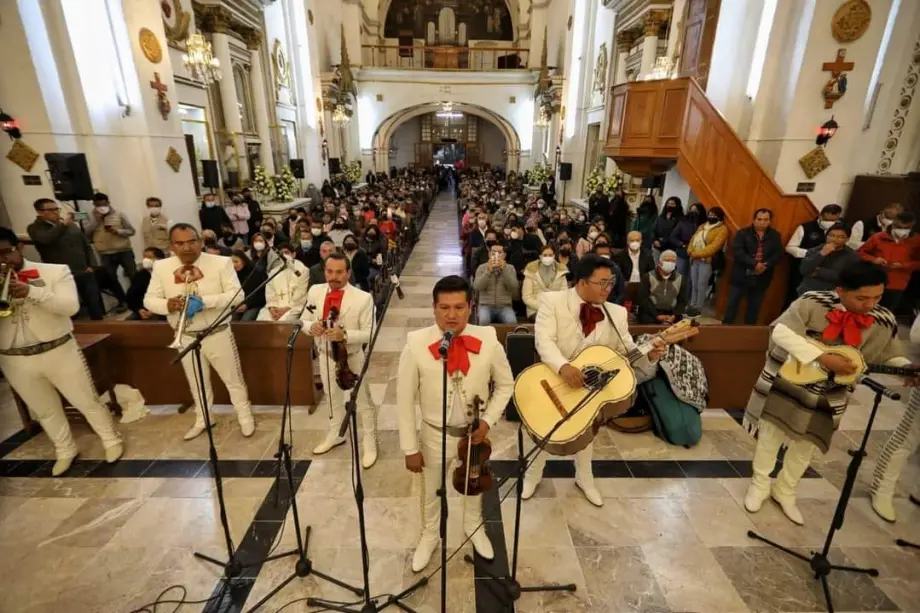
(595, 376)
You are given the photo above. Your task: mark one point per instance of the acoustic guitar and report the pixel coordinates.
(797, 373)
(543, 398)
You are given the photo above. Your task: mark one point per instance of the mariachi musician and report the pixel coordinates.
(39, 355)
(204, 285)
(339, 313)
(568, 322)
(474, 359)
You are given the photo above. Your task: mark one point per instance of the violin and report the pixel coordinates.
(473, 475)
(344, 377)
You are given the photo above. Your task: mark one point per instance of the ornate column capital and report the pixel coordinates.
(251, 36)
(626, 39)
(654, 21)
(214, 18)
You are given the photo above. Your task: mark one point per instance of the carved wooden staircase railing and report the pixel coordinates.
(655, 125)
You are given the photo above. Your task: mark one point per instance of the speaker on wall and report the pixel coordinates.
(653, 182)
(335, 166)
(565, 171)
(297, 168)
(210, 174)
(69, 176)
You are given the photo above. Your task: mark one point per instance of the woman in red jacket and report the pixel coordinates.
(897, 250)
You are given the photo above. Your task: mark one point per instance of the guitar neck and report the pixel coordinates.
(883, 369)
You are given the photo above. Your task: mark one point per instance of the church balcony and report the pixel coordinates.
(445, 57)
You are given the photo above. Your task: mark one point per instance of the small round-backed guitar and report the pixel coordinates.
(799, 373)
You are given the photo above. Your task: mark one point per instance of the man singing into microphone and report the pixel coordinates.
(803, 418)
(354, 314)
(474, 359)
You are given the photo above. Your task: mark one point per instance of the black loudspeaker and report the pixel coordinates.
(210, 173)
(69, 176)
(653, 182)
(565, 171)
(521, 349)
(297, 168)
(335, 166)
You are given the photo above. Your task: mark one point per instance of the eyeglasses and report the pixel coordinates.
(601, 284)
(51, 210)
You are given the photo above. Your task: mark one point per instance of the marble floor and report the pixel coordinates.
(671, 537)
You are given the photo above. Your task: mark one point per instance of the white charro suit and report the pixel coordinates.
(286, 290)
(356, 317)
(218, 290)
(42, 317)
(559, 338)
(420, 383)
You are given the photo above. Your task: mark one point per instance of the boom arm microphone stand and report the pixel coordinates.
(818, 561)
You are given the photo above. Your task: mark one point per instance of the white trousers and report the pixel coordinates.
(582, 461)
(796, 461)
(290, 317)
(38, 379)
(430, 437)
(219, 351)
(901, 444)
(333, 402)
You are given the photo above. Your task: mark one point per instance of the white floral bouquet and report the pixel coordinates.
(594, 179)
(352, 171)
(262, 184)
(540, 173)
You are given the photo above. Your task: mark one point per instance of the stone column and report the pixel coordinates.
(625, 41)
(217, 21)
(650, 44)
(260, 98)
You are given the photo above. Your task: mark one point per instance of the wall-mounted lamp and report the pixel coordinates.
(558, 156)
(826, 131)
(325, 151)
(10, 126)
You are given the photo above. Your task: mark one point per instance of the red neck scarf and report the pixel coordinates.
(847, 324)
(589, 316)
(333, 299)
(25, 276)
(458, 354)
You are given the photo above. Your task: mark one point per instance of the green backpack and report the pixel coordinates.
(673, 420)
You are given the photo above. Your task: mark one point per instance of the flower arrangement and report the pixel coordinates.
(594, 179)
(611, 183)
(540, 173)
(352, 171)
(262, 184)
(284, 185)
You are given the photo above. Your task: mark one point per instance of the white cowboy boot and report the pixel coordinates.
(584, 478)
(885, 480)
(795, 463)
(768, 442)
(114, 453)
(424, 550)
(369, 436)
(247, 422)
(62, 465)
(474, 528)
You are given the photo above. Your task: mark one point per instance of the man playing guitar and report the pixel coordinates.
(569, 321)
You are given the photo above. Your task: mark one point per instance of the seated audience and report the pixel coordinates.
(496, 283)
(705, 246)
(897, 250)
(286, 292)
(239, 214)
(360, 264)
(822, 265)
(567, 257)
(250, 277)
(542, 275)
(586, 243)
(757, 250)
(481, 254)
(138, 288)
(663, 292)
(634, 261)
(317, 271)
(618, 293)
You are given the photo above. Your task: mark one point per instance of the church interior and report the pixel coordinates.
(722, 152)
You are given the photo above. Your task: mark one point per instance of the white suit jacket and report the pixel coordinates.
(287, 289)
(559, 336)
(43, 315)
(420, 381)
(356, 315)
(217, 288)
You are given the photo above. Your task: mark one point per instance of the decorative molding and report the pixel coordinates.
(906, 97)
(280, 66)
(214, 18)
(653, 22)
(600, 69)
(851, 21)
(150, 46)
(626, 39)
(177, 31)
(251, 36)
(174, 159)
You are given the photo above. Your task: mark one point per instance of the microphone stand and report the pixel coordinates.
(819, 563)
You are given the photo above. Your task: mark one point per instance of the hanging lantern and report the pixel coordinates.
(826, 131)
(10, 126)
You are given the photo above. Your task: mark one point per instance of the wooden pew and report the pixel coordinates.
(139, 356)
(733, 357)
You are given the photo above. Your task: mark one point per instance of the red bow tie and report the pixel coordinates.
(457, 354)
(590, 316)
(848, 324)
(25, 276)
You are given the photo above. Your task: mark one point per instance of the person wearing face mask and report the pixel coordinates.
(339, 231)
(496, 282)
(646, 219)
(807, 236)
(548, 190)
(286, 292)
(388, 227)
(586, 243)
(238, 212)
(139, 283)
(635, 261)
(250, 278)
(704, 249)
(229, 240)
(665, 224)
(360, 264)
(566, 256)
(542, 275)
(262, 255)
(862, 230)
(211, 215)
(680, 237)
(255, 213)
(111, 232)
(896, 250)
(514, 250)
(304, 243)
(155, 227)
(663, 292)
(481, 255)
(317, 232)
(822, 265)
(375, 246)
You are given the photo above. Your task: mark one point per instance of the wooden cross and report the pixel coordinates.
(836, 86)
(836, 67)
(158, 85)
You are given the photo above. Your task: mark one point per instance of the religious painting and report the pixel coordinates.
(481, 19)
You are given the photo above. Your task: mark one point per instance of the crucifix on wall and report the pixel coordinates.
(836, 87)
(162, 101)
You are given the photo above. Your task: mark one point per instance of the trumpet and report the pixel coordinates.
(6, 307)
(183, 317)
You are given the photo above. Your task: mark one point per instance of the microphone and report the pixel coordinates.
(294, 332)
(878, 388)
(445, 343)
(284, 262)
(399, 291)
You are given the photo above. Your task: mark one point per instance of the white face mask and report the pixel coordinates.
(315, 231)
(288, 257)
(884, 221)
(147, 263)
(306, 244)
(900, 232)
(606, 256)
(259, 246)
(592, 234)
(514, 236)
(154, 210)
(634, 245)
(210, 203)
(103, 210)
(668, 267)
(826, 224)
(482, 223)
(547, 260)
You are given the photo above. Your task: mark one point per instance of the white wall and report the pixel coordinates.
(732, 52)
(404, 139)
(491, 144)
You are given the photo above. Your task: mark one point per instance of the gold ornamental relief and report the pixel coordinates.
(22, 155)
(150, 46)
(851, 20)
(814, 162)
